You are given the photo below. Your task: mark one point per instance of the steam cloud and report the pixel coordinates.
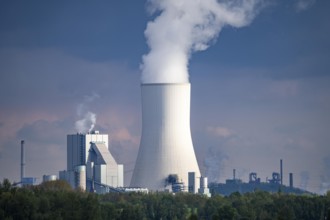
(184, 27)
(88, 118)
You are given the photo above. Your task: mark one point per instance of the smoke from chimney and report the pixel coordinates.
(184, 27)
(214, 163)
(87, 119)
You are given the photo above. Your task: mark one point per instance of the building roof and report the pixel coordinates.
(103, 154)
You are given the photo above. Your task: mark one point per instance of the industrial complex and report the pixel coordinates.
(90, 165)
(166, 159)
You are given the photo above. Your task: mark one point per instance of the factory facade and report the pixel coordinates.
(90, 165)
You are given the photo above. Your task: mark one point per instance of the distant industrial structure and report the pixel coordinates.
(237, 185)
(92, 168)
(24, 181)
(90, 165)
(203, 188)
(47, 178)
(177, 186)
(274, 184)
(22, 161)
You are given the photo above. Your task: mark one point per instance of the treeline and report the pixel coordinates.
(56, 200)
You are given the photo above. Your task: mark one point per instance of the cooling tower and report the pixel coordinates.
(166, 145)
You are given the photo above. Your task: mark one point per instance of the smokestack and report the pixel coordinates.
(22, 161)
(291, 180)
(234, 174)
(281, 168)
(166, 146)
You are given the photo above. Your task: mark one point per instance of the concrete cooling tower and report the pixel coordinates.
(166, 146)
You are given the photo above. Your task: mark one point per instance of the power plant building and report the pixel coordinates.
(47, 178)
(90, 165)
(166, 146)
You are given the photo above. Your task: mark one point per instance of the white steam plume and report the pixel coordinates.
(184, 27)
(88, 118)
(87, 123)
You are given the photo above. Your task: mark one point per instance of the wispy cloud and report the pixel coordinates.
(123, 134)
(285, 88)
(219, 131)
(302, 5)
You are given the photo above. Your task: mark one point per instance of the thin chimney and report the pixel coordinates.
(22, 161)
(281, 167)
(291, 180)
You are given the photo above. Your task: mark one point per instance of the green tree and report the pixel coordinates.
(285, 213)
(5, 186)
(57, 185)
(226, 212)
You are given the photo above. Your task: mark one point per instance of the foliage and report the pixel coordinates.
(56, 200)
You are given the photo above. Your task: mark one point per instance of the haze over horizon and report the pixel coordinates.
(260, 93)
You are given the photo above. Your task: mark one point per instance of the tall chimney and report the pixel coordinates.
(22, 161)
(166, 146)
(281, 167)
(291, 180)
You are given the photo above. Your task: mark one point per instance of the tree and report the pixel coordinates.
(57, 185)
(285, 213)
(5, 186)
(226, 212)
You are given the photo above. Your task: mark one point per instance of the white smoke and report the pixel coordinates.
(304, 179)
(214, 163)
(87, 123)
(325, 178)
(87, 120)
(184, 27)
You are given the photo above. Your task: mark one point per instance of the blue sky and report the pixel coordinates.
(259, 93)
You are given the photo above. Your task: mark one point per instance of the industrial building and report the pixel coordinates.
(90, 165)
(47, 178)
(232, 186)
(166, 146)
(203, 189)
(273, 185)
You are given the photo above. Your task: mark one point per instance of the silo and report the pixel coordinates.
(191, 182)
(203, 188)
(166, 146)
(46, 178)
(203, 182)
(80, 177)
(291, 180)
